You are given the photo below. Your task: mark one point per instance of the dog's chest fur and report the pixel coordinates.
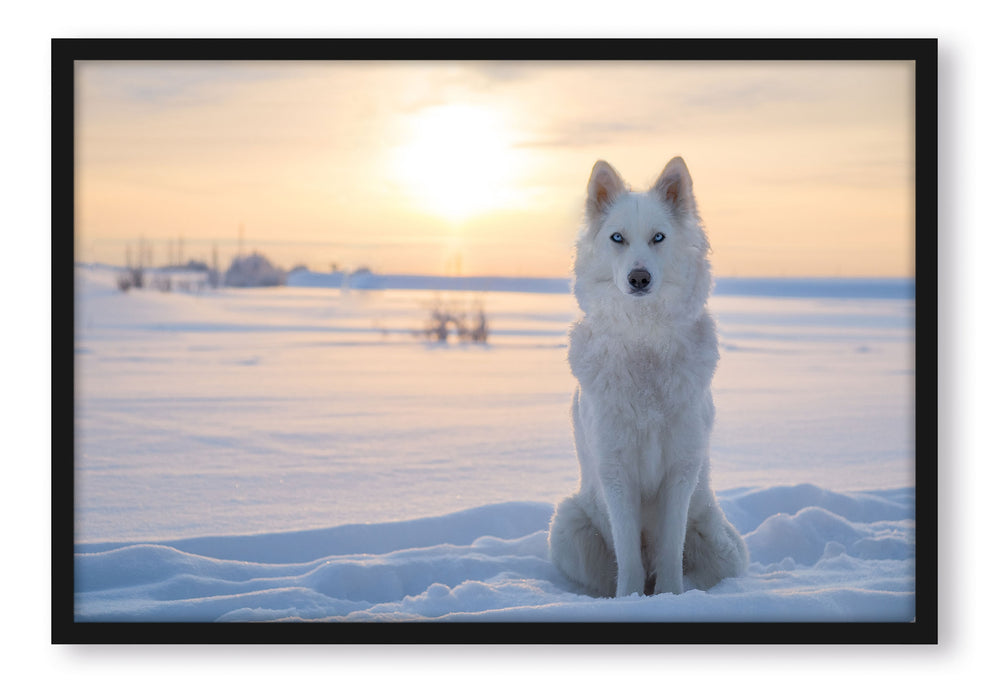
(653, 384)
(656, 368)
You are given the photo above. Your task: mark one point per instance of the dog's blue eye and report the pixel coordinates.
(659, 237)
(617, 237)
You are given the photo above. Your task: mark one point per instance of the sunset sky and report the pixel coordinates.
(477, 168)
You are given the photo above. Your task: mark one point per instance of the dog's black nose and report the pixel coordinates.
(639, 279)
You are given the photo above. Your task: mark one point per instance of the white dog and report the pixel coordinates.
(644, 352)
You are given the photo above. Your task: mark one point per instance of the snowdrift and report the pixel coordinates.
(816, 556)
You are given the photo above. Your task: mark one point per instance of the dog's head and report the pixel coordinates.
(644, 246)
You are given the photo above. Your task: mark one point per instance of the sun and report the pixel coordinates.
(457, 160)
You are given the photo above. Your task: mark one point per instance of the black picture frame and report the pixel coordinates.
(923, 52)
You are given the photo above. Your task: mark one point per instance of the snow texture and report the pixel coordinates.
(301, 453)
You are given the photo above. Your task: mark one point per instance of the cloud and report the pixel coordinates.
(159, 85)
(497, 72)
(585, 133)
(747, 95)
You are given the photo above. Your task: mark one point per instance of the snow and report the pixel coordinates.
(490, 564)
(304, 453)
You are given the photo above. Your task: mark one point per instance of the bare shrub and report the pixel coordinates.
(477, 330)
(448, 318)
(132, 277)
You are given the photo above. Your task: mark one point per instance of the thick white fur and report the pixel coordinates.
(645, 515)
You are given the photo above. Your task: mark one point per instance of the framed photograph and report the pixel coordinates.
(494, 341)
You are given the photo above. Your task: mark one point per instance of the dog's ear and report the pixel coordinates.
(604, 187)
(675, 186)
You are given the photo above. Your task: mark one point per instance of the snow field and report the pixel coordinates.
(302, 454)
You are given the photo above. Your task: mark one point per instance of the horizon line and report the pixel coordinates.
(378, 273)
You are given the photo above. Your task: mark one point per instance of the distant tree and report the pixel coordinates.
(214, 274)
(133, 276)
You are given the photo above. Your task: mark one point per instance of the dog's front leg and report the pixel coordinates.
(675, 496)
(623, 505)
